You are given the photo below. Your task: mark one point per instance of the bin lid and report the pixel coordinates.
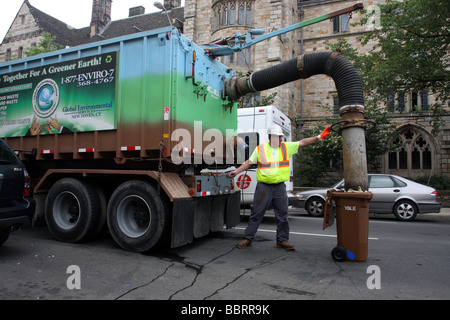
(343, 194)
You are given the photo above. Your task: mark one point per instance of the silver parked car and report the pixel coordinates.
(391, 194)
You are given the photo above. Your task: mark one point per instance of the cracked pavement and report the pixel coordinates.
(34, 266)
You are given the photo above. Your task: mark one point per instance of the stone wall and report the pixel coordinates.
(23, 33)
(268, 15)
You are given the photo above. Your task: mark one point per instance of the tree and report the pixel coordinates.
(45, 45)
(411, 52)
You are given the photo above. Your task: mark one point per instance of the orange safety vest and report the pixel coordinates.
(272, 170)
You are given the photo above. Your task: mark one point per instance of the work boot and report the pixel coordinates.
(285, 245)
(244, 244)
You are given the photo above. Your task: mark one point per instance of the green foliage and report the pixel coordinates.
(45, 45)
(439, 182)
(313, 161)
(411, 52)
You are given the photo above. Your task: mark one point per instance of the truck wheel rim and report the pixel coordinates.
(133, 216)
(66, 210)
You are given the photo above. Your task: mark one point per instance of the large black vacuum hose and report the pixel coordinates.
(333, 64)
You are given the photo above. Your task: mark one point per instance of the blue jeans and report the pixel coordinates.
(266, 194)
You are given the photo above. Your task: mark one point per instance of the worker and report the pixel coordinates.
(272, 159)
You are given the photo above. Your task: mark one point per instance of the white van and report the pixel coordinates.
(252, 128)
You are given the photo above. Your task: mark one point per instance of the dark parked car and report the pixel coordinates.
(16, 205)
(391, 194)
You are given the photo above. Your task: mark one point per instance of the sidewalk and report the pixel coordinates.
(444, 214)
(445, 211)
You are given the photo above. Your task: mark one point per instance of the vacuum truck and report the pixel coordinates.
(115, 134)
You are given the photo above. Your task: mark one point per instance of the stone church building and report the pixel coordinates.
(206, 20)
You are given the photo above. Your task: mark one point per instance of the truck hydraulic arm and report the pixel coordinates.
(239, 44)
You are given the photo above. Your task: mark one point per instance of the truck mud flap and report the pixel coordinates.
(202, 216)
(233, 210)
(182, 222)
(196, 218)
(218, 213)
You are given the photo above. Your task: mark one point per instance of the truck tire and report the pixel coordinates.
(136, 216)
(72, 210)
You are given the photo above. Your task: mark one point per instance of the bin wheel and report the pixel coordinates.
(339, 254)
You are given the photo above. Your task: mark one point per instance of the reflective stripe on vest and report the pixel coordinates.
(263, 163)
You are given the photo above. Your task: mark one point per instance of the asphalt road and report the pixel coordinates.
(405, 261)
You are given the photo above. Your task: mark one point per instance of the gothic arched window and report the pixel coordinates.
(414, 152)
(232, 13)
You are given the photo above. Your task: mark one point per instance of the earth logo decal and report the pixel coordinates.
(45, 98)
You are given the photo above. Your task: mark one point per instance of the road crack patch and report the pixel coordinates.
(260, 265)
(198, 269)
(148, 283)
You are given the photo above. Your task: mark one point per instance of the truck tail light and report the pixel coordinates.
(199, 185)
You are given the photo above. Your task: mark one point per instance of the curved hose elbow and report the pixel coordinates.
(333, 64)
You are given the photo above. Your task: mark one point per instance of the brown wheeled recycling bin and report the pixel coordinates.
(352, 224)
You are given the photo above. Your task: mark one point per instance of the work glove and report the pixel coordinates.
(325, 133)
